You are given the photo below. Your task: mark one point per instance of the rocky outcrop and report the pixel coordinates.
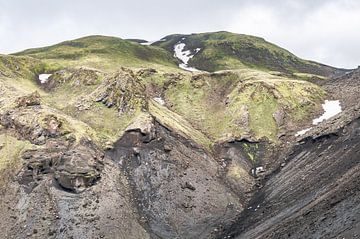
(121, 90)
(36, 125)
(74, 169)
(73, 76)
(69, 193)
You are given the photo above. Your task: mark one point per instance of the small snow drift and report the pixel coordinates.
(149, 43)
(185, 56)
(257, 170)
(43, 78)
(331, 108)
(159, 100)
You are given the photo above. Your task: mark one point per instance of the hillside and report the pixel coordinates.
(108, 138)
(228, 51)
(101, 52)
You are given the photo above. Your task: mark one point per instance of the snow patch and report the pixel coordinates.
(147, 43)
(257, 170)
(331, 108)
(43, 78)
(185, 56)
(159, 100)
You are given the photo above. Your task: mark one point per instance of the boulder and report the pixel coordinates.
(79, 168)
(28, 100)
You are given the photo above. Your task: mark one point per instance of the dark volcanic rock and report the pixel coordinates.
(79, 168)
(74, 169)
(179, 192)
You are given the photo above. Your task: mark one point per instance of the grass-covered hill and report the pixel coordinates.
(228, 51)
(102, 52)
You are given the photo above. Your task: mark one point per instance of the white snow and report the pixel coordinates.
(187, 68)
(184, 56)
(148, 43)
(331, 108)
(159, 100)
(257, 170)
(43, 78)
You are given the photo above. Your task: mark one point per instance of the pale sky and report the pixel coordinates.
(326, 31)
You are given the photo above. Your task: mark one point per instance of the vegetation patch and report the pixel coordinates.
(10, 152)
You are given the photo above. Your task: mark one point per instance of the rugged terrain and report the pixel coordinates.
(102, 137)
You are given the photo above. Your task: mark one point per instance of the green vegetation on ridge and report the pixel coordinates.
(102, 52)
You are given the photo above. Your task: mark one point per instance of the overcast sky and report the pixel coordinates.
(327, 31)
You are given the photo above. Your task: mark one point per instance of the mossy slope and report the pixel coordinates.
(244, 103)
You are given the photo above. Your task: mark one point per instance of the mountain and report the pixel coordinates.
(211, 135)
(228, 51)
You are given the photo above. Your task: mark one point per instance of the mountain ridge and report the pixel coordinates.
(223, 37)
